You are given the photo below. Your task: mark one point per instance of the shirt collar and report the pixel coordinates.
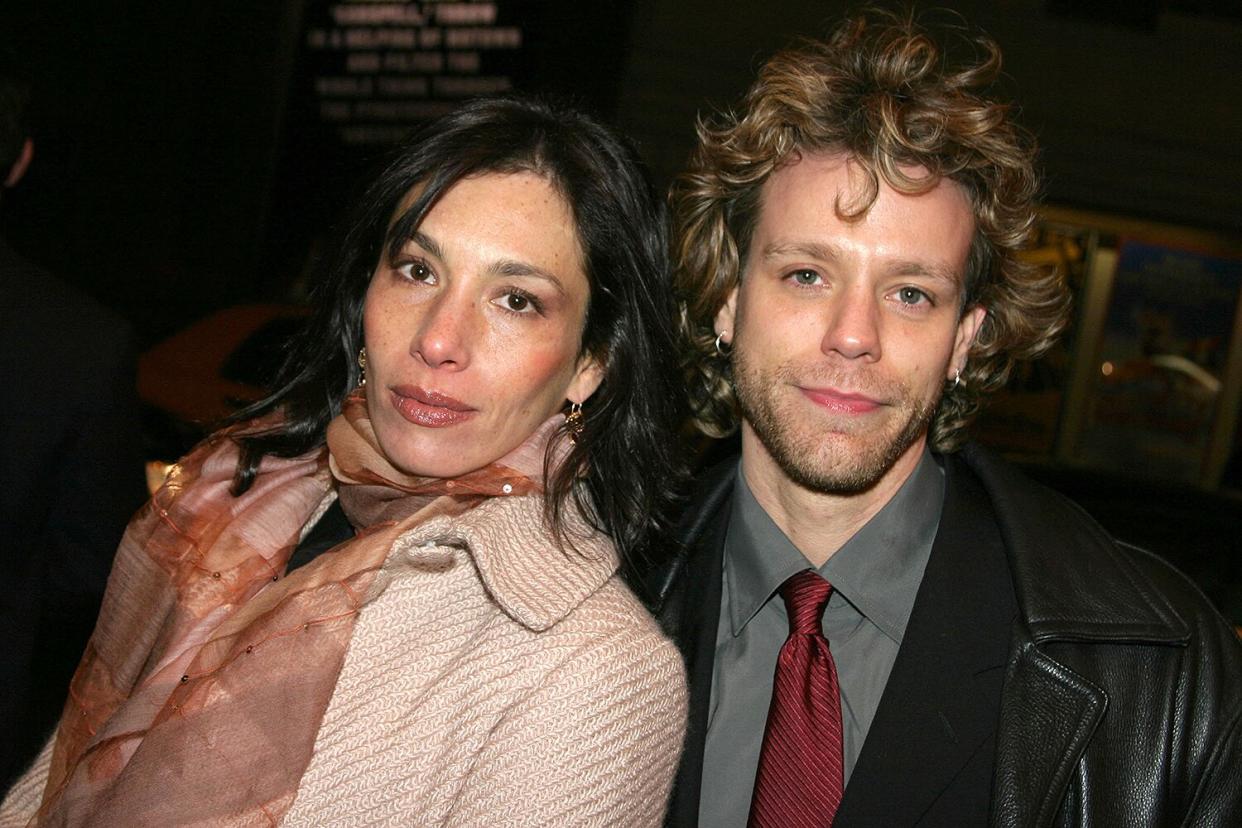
(878, 570)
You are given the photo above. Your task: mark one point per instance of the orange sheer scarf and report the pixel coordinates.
(201, 692)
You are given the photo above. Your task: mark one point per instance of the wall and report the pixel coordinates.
(1144, 121)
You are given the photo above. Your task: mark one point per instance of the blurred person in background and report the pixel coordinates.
(71, 471)
(388, 593)
(882, 623)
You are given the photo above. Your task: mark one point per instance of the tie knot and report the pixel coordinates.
(806, 595)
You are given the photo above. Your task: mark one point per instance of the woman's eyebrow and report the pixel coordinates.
(427, 243)
(511, 268)
(515, 268)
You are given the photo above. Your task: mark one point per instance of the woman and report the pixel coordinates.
(466, 655)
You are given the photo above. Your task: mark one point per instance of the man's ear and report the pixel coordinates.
(587, 378)
(967, 329)
(726, 318)
(20, 165)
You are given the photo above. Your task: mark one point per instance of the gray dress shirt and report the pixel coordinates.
(875, 577)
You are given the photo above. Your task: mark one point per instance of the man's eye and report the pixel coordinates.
(805, 277)
(911, 296)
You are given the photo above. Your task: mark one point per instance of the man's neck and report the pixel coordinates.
(816, 522)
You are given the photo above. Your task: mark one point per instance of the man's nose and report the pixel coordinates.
(853, 324)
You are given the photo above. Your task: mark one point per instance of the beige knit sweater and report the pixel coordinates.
(495, 681)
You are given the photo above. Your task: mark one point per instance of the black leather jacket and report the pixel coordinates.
(1122, 697)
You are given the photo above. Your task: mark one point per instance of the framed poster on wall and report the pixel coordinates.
(1162, 355)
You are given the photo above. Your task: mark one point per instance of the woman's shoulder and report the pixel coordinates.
(611, 628)
(614, 609)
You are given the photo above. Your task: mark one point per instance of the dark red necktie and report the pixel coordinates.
(801, 770)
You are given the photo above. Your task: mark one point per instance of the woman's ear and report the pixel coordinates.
(587, 378)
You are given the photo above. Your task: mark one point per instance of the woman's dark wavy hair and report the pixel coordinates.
(886, 93)
(623, 469)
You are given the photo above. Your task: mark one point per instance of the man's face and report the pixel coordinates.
(845, 333)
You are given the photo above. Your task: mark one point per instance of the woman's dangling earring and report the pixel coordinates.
(574, 422)
(722, 348)
(957, 378)
(362, 365)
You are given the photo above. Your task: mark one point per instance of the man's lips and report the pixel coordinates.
(429, 408)
(840, 401)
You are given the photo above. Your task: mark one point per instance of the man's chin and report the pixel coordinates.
(852, 475)
(837, 463)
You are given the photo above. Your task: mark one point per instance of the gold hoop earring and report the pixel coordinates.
(723, 348)
(362, 366)
(575, 422)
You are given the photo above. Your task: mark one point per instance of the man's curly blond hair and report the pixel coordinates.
(883, 92)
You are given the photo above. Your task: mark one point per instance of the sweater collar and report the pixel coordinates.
(526, 573)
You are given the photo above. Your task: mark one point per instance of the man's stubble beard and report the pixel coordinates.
(840, 463)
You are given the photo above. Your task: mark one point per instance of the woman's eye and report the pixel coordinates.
(416, 271)
(804, 277)
(518, 302)
(911, 296)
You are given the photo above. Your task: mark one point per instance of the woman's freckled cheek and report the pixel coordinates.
(539, 367)
(534, 372)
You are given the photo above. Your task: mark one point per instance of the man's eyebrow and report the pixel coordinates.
(829, 253)
(811, 250)
(932, 270)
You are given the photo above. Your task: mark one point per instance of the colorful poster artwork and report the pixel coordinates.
(1162, 354)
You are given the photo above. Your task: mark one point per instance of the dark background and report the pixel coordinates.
(179, 168)
(179, 164)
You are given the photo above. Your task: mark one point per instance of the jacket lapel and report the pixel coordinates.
(1041, 697)
(940, 706)
(1073, 584)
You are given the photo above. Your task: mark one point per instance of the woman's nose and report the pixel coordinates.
(447, 332)
(853, 326)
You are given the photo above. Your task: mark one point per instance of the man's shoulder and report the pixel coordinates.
(1074, 580)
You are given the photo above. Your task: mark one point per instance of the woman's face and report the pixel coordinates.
(473, 330)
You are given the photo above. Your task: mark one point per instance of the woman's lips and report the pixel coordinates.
(841, 402)
(429, 408)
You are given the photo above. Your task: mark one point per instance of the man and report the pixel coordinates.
(70, 466)
(847, 259)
